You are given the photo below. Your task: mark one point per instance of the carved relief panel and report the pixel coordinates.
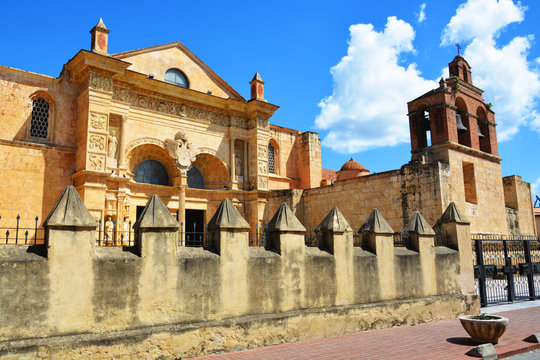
(97, 141)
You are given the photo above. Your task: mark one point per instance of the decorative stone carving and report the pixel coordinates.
(144, 141)
(263, 183)
(112, 145)
(100, 83)
(239, 122)
(174, 108)
(262, 123)
(96, 142)
(180, 150)
(262, 167)
(98, 121)
(96, 162)
(262, 152)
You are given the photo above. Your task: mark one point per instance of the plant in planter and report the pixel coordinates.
(484, 328)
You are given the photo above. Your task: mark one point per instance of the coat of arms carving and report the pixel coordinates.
(181, 150)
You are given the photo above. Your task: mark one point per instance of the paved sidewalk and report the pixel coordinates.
(438, 340)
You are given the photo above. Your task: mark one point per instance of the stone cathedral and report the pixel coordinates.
(121, 127)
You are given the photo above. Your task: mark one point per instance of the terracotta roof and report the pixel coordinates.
(352, 165)
(328, 174)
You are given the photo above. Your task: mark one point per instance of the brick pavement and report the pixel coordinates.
(438, 340)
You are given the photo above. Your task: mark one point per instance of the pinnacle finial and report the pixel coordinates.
(101, 24)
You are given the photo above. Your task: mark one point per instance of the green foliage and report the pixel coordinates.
(489, 106)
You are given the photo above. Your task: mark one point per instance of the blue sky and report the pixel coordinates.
(345, 69)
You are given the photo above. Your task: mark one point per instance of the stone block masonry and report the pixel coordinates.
(159, 299)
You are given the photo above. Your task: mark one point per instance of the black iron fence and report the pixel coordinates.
(110, 233)
(258, 238)
(21, 232)
(312, 238)
(506, 268)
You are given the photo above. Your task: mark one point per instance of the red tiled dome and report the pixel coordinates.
(352, 165)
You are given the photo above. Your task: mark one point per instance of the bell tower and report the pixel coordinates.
(453, 114)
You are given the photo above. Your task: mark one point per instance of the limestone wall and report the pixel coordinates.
(79, 293)
(518, 197)
(397, 194)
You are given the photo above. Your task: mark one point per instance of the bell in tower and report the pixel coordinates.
(460, 127)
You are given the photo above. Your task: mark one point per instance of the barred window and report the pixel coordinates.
(39, 125)
(271, 163)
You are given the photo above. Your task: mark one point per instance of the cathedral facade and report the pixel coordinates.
(121, 127)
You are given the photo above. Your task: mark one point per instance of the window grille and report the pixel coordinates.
(39, 125)
(271, 164)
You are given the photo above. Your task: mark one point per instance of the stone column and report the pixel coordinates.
(337, 238)
(231, 160)
(156, 238)
(380, 241)
(229, 236)
(457, 229)
(421, 238)
(122, 144)
(286, 237)
(182, 186)
(70, 238)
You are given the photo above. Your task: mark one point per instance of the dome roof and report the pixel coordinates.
(352, 165)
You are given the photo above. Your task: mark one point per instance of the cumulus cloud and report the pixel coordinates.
(422, 13)
(367, 108)
(510, 81)
(481, 19)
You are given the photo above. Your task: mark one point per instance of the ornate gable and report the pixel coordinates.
(156, 60)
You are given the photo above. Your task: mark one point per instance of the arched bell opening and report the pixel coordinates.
(483, 130)
(462, 122)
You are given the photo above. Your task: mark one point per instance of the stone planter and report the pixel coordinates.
(484, 329)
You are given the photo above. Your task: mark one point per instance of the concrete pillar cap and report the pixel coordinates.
(70, 211)
(284, 220)
(334, 222)
(156, 216)
(418, 225)
(376, 223)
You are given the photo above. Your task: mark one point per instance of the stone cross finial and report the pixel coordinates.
(458, 48)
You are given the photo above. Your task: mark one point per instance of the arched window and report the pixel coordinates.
(152, 172)
(271, 160)
(195, 179)
(39, 122)
(176, 77)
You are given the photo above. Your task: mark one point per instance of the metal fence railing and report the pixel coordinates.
(506, 267)
(109, 233)
(21, 232)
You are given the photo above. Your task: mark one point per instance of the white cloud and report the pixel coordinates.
(422, 13)
(481, 19)
(510, 81)
(367, 108)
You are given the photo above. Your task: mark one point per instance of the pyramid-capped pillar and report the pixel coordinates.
(285, 230)
(420, 237)
(378, 238)
(228, 234)
(227, 219)
(70, 238)
(156, 228)
(257, 88)
(377, 234)
(100, 38)
(156, 236)
(419, 233)
(336, 237)
(456, 228)
(285, 235)
(336, 232)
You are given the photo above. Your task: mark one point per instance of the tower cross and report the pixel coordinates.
(458, 48)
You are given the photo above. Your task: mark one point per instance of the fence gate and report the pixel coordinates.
(506, 268)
